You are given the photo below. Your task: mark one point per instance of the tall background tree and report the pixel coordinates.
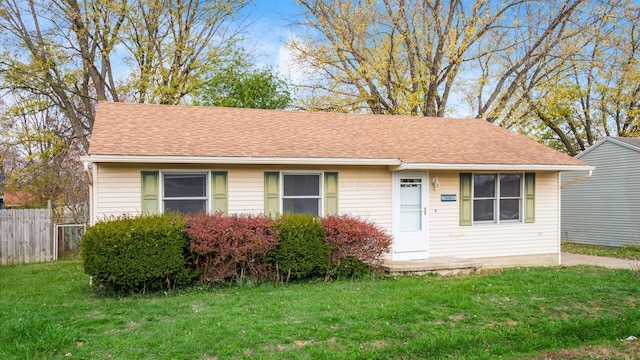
(563, 72)
(40, 158)
(404, 56)
(71, 52)
(239, 83)
(58, 58)
(591, 89)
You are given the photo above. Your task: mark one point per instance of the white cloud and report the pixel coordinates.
(287, 65)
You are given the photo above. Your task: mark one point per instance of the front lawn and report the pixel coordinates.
(47, 311)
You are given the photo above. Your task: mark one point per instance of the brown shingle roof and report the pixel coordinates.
(161, 130)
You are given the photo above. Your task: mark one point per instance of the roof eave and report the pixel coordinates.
(236, 160)
(493, 167)
(392, 164)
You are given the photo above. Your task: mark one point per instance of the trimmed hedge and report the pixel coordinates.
(302, 251)
(357, 245)
(138, 253)
(230, 247)
(163, 251)
(349, 267)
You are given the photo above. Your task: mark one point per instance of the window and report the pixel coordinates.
(410, 205)
(497, 196)
(184, 192)
(301, 193)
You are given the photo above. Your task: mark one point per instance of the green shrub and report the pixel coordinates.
(349, 267)
(138, 253)
(302, 252)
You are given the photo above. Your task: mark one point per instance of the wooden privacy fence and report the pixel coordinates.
(25, 236)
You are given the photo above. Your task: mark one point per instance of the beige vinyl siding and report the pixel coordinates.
(362, 191)
(366, 192)
(605, 208)
(118, 187)
(448, 238)
(246, 190)
(118, 191)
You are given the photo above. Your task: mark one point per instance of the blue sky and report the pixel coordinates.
(269, 27)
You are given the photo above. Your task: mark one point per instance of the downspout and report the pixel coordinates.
(87, 172)
(559, 220)
(575, 181)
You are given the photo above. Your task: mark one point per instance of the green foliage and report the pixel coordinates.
(66, 51)
(138, 253)
(40, 159)
(240, 84)
(350, 267)
(302, 252)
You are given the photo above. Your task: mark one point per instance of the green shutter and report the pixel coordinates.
(150, 192)
(331, 193)
(465, 200)
(271, 193)
(530, 198)
(219, 191)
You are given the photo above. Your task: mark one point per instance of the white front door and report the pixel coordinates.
(410, 216)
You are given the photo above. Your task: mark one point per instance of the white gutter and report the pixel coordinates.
(402, 166)
(491, 167)
(575, 181)
(239, 160)
(392, 164)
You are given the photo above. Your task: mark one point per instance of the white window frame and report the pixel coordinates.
(207, 196)
(496, 199)
(320, 175)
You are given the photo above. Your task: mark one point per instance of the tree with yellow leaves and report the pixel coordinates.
(71, 52)
(409, 56)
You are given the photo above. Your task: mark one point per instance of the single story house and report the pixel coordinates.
(16, 200)
(605, 208)
(442, 187)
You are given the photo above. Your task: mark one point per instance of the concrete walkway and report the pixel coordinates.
(612, 263)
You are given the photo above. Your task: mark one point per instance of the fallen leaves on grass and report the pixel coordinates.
(625, 350)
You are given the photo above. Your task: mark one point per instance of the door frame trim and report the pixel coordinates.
(414, 255)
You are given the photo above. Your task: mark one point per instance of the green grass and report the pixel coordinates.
(47, 311)
(624, 252)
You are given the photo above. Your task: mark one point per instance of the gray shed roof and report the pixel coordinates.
(629, 140)
(632, 143)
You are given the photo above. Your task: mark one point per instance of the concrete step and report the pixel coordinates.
(443, 266)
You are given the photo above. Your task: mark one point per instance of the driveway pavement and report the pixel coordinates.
(612, 263)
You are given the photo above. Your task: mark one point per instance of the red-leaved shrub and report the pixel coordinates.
(230, 246)
(351, 236)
